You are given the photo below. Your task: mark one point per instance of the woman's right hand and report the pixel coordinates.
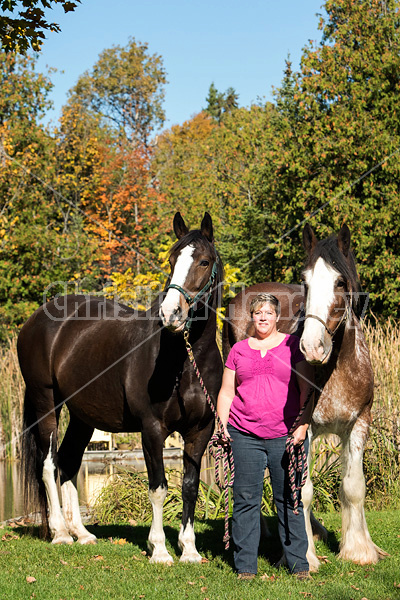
(224, 436)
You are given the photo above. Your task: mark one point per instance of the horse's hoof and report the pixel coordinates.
(313, 563)
(62, 539)
(161, 557)
(190, 557)
(88, 539)
(368, 554)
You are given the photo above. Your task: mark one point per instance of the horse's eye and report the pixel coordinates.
(204, 263)
(340, 283)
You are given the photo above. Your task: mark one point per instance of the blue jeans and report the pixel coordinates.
(251, 455)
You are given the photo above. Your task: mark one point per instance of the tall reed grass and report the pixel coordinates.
(12, 391)
(11, 401)
(382, 454)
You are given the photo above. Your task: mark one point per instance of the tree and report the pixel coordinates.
(343, 135)
(27, 30)
(37, 245)
(23, 92)
(183, 165)
(219, 104)
(125, 87)
(126, 212)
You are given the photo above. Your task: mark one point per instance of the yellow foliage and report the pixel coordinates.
(139, 290)
(231, 277)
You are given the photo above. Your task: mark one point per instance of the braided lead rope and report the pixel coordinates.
(219, 446)
(297, 461)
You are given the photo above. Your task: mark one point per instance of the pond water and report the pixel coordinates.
(96, 469)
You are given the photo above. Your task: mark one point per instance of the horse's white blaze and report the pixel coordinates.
(156, 540)
(72, 514)
(56, 521)
(320, 280)
(173, 297)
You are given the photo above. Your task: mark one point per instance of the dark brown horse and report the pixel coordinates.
(324, 313)
(121, 370)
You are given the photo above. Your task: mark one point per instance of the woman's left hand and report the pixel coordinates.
(300, 434)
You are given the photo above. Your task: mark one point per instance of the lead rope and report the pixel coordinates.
(219, 446)
(297, 461)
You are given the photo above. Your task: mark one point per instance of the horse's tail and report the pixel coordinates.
(32, 466)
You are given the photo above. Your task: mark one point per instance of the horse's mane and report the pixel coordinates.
(330, 252)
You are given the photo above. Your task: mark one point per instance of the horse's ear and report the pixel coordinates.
(343, 239)
(309, 239)
(207, 227)
(179, 226)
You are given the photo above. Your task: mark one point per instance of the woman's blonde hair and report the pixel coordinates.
(264, 298)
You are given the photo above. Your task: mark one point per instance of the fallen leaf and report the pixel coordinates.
(354, 587)
(396, 585)
(135, 557)
(30, 579)
(204, 560)
(203, 589)
(63, 562)
(144, 552)
(81, 587)
(98, 557)
(266, 577)
(306, 594)
(323, 559)
(132, 522)
(191, 582)
(8, 537)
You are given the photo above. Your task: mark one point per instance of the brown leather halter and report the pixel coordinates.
(330, 331)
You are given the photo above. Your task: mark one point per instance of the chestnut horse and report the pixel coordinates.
(122, 370)
(324, 313)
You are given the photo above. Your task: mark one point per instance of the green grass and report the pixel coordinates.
(122, 571)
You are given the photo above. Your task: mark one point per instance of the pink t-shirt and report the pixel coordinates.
(267, 399)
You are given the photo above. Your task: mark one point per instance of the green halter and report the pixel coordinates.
(192, 301)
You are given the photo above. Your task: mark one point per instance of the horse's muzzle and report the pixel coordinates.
(174, 321)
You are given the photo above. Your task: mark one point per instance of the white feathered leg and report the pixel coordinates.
(156, 540)
(72, 514)
(356, 543)
(58, 528)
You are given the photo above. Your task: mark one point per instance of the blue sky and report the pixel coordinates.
(220, 41)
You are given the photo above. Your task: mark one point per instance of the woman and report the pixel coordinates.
(265, 384)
